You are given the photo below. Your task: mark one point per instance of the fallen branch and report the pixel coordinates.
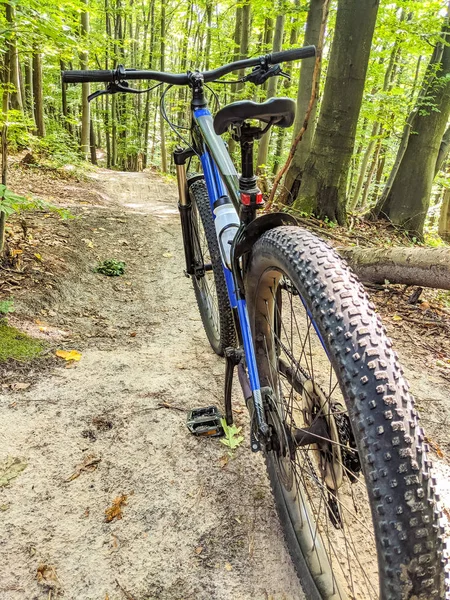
(127, 595)
(427, 267)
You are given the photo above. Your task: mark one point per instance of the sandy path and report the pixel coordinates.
(191, 529)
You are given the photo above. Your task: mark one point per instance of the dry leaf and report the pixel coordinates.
(199, 550)
(20, 386)
(38, 257)
(10, 469)
(4, 507)
(223, 461)
(69, 354)
(167, 254)
(115, 511)
(228, 567)
(88, 243)
(89, 464)
(46, 575)
(397, 318)
(435, 447)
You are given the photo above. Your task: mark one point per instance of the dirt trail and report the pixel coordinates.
(192, 528)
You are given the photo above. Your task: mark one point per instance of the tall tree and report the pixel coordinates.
(263, 147)
(13, 59)
(85, 109)
(294, 174)
(444, 218)
(38, 93)
(162, 67)
(407, 201)
(324, 181)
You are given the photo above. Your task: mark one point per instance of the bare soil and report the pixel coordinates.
(195, 523)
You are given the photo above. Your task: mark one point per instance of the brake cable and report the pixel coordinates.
(121, 86)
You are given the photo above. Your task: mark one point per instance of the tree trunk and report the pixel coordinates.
(236, 56)
(407, 202)
(287, 84)
(162, 63)
(85, 109)
(444, 218)
(4, 141)
(13, 59)
(245, 35)
(324, 181)
(92, 143)
(427, 267)
(294, 175)
(263, 147)
(208, 33)
(38, 93)
(148, 98)
(443, 151)
(28, 99)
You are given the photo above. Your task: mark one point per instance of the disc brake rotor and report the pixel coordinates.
(328, 456)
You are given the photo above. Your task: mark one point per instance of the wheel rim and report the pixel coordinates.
(321, 487)
(205, 281)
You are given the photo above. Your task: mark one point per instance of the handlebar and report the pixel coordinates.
(121, 74)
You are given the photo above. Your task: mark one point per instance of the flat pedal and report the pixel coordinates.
(205, 422)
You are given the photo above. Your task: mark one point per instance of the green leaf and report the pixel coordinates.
(232, 438)
(10, 469)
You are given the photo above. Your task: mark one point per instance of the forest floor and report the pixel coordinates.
(195, 524)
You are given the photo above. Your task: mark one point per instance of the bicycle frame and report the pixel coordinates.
(221, 179)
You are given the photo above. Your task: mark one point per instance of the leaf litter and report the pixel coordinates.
(10, 469)
(115, 511)
(89, 464)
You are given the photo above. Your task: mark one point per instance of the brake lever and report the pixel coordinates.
(261, 74)
(115, 88)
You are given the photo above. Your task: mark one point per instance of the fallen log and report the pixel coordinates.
(427, 267)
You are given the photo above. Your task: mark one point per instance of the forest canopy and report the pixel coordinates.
(377, 137)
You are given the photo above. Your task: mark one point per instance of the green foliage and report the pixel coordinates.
(16, 345)
(111, 267)
(14, 203)
(232, 438)
(57, 149)
(19, 130)
(6, 307)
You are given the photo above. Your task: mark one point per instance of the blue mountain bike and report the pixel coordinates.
(329, 407)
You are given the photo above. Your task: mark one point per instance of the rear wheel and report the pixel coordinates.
(347, 462)
(209, 280)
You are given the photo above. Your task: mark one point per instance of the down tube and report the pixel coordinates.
(216, 189)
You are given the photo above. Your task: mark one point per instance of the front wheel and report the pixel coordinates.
(346, 461)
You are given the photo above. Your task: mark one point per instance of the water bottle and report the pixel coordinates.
(227, 223)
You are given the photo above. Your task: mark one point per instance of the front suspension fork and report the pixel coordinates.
(185, 207)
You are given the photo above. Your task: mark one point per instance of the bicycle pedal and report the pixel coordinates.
(205, 422)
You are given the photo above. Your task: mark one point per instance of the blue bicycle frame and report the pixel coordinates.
(222, 179)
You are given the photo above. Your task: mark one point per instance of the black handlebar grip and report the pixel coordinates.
(87, 76)
(295, 54)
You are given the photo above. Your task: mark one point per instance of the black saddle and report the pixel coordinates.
(279, 111)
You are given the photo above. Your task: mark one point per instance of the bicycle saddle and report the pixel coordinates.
(279, 110)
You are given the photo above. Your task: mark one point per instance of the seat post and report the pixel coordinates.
(251, 196)
(247, 137)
